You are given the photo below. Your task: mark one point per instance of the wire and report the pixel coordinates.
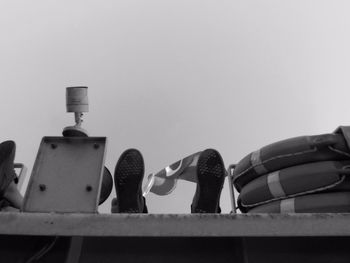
(43, 251)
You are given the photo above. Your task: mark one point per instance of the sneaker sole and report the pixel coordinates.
(7, 150)
(211, 175)
(128, 177)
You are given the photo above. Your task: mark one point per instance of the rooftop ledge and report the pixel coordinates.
(175, 225)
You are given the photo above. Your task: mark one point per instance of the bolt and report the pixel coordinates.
(96, 146)
(89, 188)
(42, 187)
(53, 146)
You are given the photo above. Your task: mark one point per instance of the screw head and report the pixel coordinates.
(42, 187)
(53, 146)
(96, 146)
(88, 188)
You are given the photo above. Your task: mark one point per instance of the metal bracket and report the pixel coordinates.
(66, 176)
(21, 175)
(231, 187)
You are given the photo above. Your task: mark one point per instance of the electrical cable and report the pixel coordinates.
(42, 251)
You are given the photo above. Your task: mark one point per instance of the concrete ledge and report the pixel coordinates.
(171, 225)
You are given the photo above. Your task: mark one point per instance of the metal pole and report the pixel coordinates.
(230, 185)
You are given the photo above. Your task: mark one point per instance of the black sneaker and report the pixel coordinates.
(211, 176)
(7, 173)
(128, 177)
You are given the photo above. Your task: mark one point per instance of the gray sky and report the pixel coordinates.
(174, 77)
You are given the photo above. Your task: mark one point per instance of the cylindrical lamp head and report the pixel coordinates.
(77, 99)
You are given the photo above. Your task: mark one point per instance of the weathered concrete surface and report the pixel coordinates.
(168, 225)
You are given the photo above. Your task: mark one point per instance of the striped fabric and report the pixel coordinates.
(164, 181)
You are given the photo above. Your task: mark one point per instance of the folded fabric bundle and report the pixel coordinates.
(292, 169)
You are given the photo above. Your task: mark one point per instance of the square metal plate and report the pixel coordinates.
(66, 176)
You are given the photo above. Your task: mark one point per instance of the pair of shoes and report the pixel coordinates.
(129, 174)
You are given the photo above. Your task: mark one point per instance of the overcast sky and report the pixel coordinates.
(174, 77)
